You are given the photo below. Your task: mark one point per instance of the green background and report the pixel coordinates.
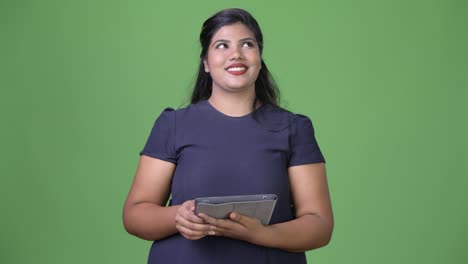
(383, 81)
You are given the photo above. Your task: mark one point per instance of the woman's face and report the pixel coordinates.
(233, 59)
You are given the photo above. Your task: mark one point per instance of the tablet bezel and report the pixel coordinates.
(242, 204)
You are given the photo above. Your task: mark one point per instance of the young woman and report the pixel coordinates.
(233, 139)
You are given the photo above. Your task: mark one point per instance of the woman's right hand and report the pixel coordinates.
(189, 225)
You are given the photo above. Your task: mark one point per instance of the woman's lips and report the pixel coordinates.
(237, 69)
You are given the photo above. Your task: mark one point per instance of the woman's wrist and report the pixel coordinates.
(264, 237)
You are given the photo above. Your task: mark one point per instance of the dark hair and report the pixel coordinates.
(266, 90)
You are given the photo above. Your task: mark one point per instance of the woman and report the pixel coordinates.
(232, 139)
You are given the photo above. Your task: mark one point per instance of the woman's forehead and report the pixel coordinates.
(233, 32)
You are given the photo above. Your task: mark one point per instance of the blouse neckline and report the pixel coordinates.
(206, 102)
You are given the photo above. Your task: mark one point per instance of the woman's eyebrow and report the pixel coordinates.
(249, 38)
(228, 41)
(221, 40)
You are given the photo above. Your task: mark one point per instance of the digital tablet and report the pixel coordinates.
(260, 206)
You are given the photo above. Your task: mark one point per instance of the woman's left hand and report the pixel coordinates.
(237, 226)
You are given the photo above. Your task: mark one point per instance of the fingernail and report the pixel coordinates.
(211, 233)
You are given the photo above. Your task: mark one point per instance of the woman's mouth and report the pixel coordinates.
(237, 69)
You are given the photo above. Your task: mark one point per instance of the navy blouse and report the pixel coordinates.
(217, 155)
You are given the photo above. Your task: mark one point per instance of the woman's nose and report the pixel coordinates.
(236, 54)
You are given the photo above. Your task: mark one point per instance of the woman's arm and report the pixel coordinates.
(145, 214)
(312, 227)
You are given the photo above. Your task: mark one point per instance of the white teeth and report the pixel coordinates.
(237, 69)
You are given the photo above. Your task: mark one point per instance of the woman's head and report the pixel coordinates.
(265, 88)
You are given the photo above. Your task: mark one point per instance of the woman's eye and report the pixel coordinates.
(248, 44)
(221, 46)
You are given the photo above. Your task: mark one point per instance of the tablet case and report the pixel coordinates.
(260, 206)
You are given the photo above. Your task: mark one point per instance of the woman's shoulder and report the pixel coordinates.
(183, 114)
(181, 110)
(276, 118)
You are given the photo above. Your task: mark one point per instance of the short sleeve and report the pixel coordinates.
(303, 145)
(161, 141)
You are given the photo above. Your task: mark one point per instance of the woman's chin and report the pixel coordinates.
(240, 88)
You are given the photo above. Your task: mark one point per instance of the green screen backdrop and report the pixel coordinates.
(385, 83)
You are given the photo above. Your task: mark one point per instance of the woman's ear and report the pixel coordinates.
(207, 68)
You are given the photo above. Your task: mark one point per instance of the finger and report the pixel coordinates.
(190, 206)
(189, 203)
(218, 223)
(235, 217)
(191, 225)
(242, 219)
(214, 233)
(190, 216)
(190, 234)
(219, 231)
(219, 227)
(207, 219)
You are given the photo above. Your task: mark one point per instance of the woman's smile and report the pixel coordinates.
(237, 68)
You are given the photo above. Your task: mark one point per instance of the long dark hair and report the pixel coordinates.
(266, 89)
